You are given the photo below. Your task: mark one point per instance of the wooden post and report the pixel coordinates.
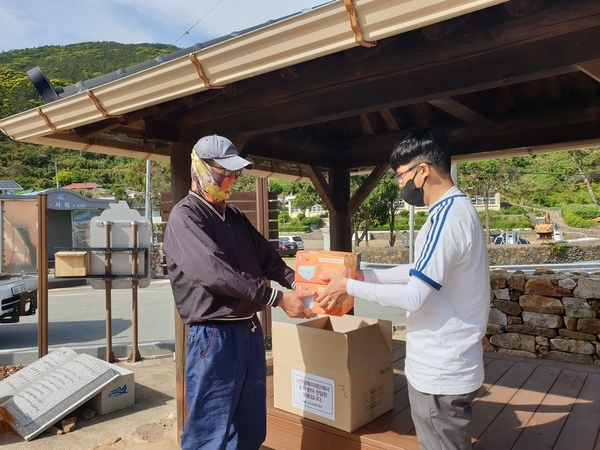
(180, 185)
(135, 354)
(42, 268)
(109, 355)
(340, 233)
(262, 225)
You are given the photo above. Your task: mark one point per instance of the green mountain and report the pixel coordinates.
(37, 167)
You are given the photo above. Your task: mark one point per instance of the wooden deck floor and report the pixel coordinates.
(524, 404)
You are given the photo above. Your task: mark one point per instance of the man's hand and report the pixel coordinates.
(334, 294)
(292, 304)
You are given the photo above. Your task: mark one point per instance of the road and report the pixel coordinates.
(76, 318)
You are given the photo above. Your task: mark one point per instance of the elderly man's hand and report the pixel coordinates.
(334, 294)
(293, 305)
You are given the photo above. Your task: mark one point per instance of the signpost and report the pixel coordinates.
(118, 258)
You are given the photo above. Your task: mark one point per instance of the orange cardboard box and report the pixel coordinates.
(309, 265)
(346, 305)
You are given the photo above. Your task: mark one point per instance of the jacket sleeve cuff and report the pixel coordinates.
(275, 298)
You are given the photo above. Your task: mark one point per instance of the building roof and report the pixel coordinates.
(9, 185)
(81, 186)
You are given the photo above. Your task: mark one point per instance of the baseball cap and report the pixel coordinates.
(222, 151)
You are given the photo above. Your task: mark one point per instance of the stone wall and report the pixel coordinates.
(545, 315)
(499, 254)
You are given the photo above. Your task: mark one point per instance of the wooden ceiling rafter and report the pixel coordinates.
(458, 110)
(592, 69)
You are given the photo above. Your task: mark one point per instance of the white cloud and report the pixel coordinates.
(31, 23)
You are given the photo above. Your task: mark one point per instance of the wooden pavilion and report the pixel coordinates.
(323, 94)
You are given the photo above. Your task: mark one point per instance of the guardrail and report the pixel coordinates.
(588, 266)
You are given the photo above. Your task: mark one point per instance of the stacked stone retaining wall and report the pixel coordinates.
(545, 315)
(499, 254)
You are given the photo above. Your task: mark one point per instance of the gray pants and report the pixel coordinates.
(441, 421)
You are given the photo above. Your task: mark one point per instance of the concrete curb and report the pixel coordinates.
(121, 351)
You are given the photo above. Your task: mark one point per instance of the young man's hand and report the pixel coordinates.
(334, 294)
(294, 307)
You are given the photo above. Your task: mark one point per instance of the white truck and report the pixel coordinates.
(18, 296)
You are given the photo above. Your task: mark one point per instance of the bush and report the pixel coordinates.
(573, 220)
(514, 209)
(583, 211)
(312, 222)
(294, 229)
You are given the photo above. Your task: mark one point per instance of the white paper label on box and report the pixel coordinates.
(313, 394)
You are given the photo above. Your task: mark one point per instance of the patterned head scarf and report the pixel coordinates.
(209, 182)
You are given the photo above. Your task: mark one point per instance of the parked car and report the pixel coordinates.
(287, 247)
(18, 297)
(297, 239)
(503, 238)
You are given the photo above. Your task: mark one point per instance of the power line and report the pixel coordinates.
(199, 20)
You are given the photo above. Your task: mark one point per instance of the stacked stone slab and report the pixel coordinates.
(545, 315)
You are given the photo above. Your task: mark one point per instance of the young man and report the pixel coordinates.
(219, 265)
(446, 293)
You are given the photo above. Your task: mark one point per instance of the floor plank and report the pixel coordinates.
(546, 424)
(508, 425)
(581, 430)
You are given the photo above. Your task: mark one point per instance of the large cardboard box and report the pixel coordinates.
(311, 264)
(334, 370)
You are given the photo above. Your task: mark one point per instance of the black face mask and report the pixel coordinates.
(411, 194)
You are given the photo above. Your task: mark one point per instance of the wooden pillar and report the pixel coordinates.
(180, 185)
(339, 221)
(42, 268)
(262, 225)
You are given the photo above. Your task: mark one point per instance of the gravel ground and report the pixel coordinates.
(6, 371)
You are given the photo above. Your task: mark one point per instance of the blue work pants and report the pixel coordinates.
(225, 387)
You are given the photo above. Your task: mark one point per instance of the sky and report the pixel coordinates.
(36, 23)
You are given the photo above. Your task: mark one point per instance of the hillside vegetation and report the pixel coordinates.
(35, 166)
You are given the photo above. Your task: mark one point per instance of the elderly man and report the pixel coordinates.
(219, 265)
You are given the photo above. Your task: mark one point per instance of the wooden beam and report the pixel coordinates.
(365, 125)
(591, 68)
(297, 146)
(458, 110)
(388, 118)
(520, 8)
(340, 235)
(366, 188)
(323, 189)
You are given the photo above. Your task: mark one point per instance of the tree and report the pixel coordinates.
(387, 191)
(482, 178)
(306, 197)
(378, 208)
(582, 159)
